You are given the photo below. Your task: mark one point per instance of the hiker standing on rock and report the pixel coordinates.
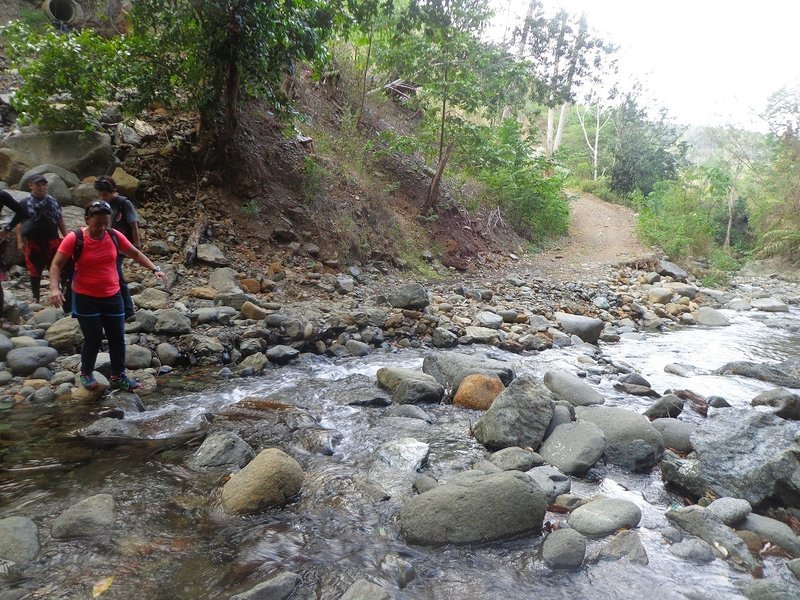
(39, 236)
(20, 215)
(96, 297)
(125, 220)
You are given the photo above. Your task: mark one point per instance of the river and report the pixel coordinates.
(170, 539)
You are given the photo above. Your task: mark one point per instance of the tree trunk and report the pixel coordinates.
(597, 128)
(364, 79)
(548, 146)
(198, 231)
(432, 200)
(562, 117)
(731, 204)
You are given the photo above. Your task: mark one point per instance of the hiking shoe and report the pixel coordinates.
(89, 382)
(124, 383)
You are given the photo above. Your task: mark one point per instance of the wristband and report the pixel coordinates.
(157, 270)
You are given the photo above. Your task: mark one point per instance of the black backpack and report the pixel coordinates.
(68, 272)
(42, 224)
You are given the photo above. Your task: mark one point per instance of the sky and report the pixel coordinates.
(709, 62)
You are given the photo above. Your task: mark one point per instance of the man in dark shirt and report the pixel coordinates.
(39, 236)
(125, 220)
(20, 215)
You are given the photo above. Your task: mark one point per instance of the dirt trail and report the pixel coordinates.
(602, 235)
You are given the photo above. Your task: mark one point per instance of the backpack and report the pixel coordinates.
(68, 272)
(42, 225)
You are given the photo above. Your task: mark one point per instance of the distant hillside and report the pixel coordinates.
(706, 144)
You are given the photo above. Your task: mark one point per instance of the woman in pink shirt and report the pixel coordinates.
(97, 301)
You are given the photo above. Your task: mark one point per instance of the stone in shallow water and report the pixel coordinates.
(604, 516)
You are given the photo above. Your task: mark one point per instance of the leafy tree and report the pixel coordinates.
(646, 151)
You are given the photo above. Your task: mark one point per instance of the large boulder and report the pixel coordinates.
(569, 388)
(784, 374)
(13, 165)
(90, 516)
(586, 328)
(784, 403)
(64, 334)
(631, 441)
(519, 416)
(19, 539)
(270, 479)
(222, 449)
(450, 368)
(574, 447)
(84, 153)
(476, 509)
(750, 455)
(411, 295)
(666, 268)
(408, 386)
(24, 361)
(172, 322)
(604, 516)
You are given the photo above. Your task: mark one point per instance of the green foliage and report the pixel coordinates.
(315, 176)
(65, 76)
(722, 266)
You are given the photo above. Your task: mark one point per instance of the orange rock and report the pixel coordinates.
(252, 286)
(478, 391)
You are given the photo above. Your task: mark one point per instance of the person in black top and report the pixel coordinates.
(125, 220)
(20, 214)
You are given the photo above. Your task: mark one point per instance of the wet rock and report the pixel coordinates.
(794, 567)
(443, 338)
(564, 549)
(773, 531)
(19, 539)
(365, 590)
(569, 388)
(478, 391)
(625, 545)
(518, 417)
(270, 479)
(408, 386)
(604, 516)
(252, 365)
(551, 481)
(586, 328)
(574, 447)
(515, 458)
(636, 390)
(279, 587)
(750, 455)
(786, 405)
(24, 361)
(406, 454)
(710, 317)
(693, 550)
(770, 589)
(784, 374)
(705, 525)
(5, 347)
(281, 355)
(729, 510)
(222, 449)
(477, 509)
(357, 348)
(676, 434)
(320, 441)
(450, 368)
(167, 354)
(397, 569)
(769, 305)
(424, 483)
(631, 441)
(90, 516)
(668, 406)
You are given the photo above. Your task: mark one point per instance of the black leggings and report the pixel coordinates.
(96, 315)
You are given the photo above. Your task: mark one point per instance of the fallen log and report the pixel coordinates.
(198, 231)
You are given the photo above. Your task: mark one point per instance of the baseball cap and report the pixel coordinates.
(38, 179)
(98, 208)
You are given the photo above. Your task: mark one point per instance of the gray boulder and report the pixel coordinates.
(405, 454)
(574, 448)
(705, 525)
(152, 299)
(551, 481)
(666, 268)
(19, 539)
(631, 441)
(784, 374)
(225, 280)
(772, 530)
(604, 516)
(90, 516)
(84, 153)
(784, 403)
(365, 590)
(172, 322)
(730, 510)
(626, 545)
(676, 434)
(412, 296)
(68, 177)
(667, 406)
(280, 355)
(770, 589)
(210, 254)
(137, 357)
(569, 388)
(279, 587)
(408, 386)
(64, 334)
(586, 328)
(443, 338)
(769, 305)
(518, 416)
(450, 368)
(750, 455)
(222, 449)
(24, 361)
(476, 509)
(693, 550)
(564, 549)
(514, 458)
(710, 317)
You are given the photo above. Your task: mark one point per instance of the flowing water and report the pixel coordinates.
(171, 540)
